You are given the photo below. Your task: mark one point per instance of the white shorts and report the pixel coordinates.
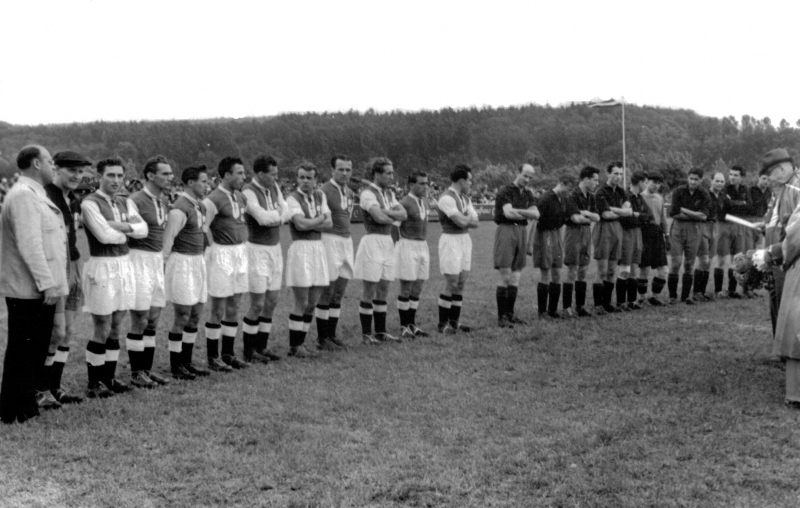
(264, 267)
(148, 270)
(413, 259)
(227, 270)
(185, 279)
(455, 254)
(307, 264)
(340, 256)
(375, 258)
(108, 285)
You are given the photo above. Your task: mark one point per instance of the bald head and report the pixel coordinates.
(34, 161)
(718, 182)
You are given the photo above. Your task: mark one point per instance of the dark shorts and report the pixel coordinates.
(607, 240)
(578, 246)
(631, 247)
(731, 239)
(548, 251)
(684, 238)
(708, 238)
(74, 299)
(509, 247)
(654, 250)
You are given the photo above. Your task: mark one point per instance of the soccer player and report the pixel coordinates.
(68, 175)
(581, 213)
(734, 238)
(690, 207)
(457, 216)
(339, 246)
(513, 207)
(226, 263)
(413, 256)
(147, 259)
(307, 262)
(266, 211)
(612, 204)
(655, 238)
(631, 257)
(375, 259)
(109, 283)
(185, 278)
(710, 242)
(548, 251)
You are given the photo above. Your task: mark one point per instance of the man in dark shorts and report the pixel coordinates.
(581, 213)
(68, 175)
(513, 206)
(655, 238)
(690, 207)
(548, 250)
(632, 244)
(612, 204)
(712, 228)
(735, 238)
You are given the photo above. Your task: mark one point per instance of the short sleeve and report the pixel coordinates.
(367, 200)
(294, 207)
(448, 205)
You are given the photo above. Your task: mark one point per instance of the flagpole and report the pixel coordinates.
(624, 165)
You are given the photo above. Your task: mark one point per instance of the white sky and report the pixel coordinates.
(80, 60)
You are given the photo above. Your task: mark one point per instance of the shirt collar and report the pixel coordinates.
(255, 182)
(307, 196)
(104, 196)
(223, 189)
(187, 196)
(34, 185)
(146, 191)
(341, 190)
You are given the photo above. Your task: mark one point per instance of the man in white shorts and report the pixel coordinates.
(339, 246)
(148, 268)
(108, 280)
(375, 258)
(457, 216)
(307, 262)
(412, 254)
(226, 263)
(266, 211)
(185, 282)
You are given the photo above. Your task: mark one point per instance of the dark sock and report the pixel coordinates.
(608, 289)
(445, 303)
(188, 338)
(402, 310)
(632, 288)
(541, 297)
(213, 333)
(658, 285)
(566, 289)
(228, 336)
(176, 354)
(672, 285)
(597, 294)
(413, 305)
(455, 310)
(264, 329)
(501, 295)
(296, 335)
(112, 357)
(365, 314)
(379, 308)
(622, 291)
(553, 295)
(580, 294)
(511, 302)
(149, 338)
(135, 346)
(249, 336)
(731, 281)
(719, 276)
(95, 361)
(686, 286)
(641, 286)
(322, 313)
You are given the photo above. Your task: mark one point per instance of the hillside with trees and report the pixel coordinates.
(494, 141)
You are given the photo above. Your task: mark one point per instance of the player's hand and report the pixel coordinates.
(135, 219)
(118, 226)
(51, 296)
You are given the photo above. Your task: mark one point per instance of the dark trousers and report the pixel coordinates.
(30, 324)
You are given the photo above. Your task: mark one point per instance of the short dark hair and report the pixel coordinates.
(226, 165)
(567, 179)
(696, 171)
(376, 165)
(111, 161)
(26, 156)
(740, 169)
(263, 163)
(192, 173)
(461, 172)
(416, 175)
(615, 164)
(151, 165)
(306, 166)
(638, 176)
(339, 157)
(589, 172)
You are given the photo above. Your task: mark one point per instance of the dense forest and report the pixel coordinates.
(494, 141)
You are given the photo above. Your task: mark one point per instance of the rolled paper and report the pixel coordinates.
(740, 221)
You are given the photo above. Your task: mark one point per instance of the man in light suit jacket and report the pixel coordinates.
(33, 276)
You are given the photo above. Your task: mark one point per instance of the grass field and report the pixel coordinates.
(678, 406)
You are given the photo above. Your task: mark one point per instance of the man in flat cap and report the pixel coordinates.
(69, 170)
(33, 277)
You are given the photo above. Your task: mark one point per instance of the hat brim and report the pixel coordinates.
(768, 168)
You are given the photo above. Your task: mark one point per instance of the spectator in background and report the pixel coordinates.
(760, 195)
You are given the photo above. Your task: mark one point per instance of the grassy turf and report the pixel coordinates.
(678, 406)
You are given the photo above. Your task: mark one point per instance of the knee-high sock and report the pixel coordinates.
(608, 289)
(622, 291)
(379, 308)
(731, 281)
(501, 295)
(249, 336)
(322, 313)
(598, 292)
(149, 339)
(135, 346)
(95, 361)
(658, 285)
(641, 287)
(553, 295)
(307, 320)
(296, 336)
(59, 359)
(719, 276)
(672, 285)
(445, 304)
(455, 310)
(264, 329)
(176, 354)
(365, 312)
(566, 289)
(580, 294)
(413, 305)
(686, 286)
(188, 338)
(541, 297)
(633, 287)
(229, 329)
(112, 357)
(334, 311)
(213, 333)
(511, 302)
(402, 310)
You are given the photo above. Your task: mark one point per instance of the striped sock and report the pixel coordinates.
(322, 313)
(402, 309)
(249, 336)
(149, 338)
(229, 329)
(188, 338)
(175, 350)
(295, 330)
(95, 360)
(59, 360)
(379, 309)
(445, 303)
(135, 346)
(365, 315)
(264, 329)
(112, 357)
(334, 311)
(413, 305)
(213, 333)
(455, 310)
